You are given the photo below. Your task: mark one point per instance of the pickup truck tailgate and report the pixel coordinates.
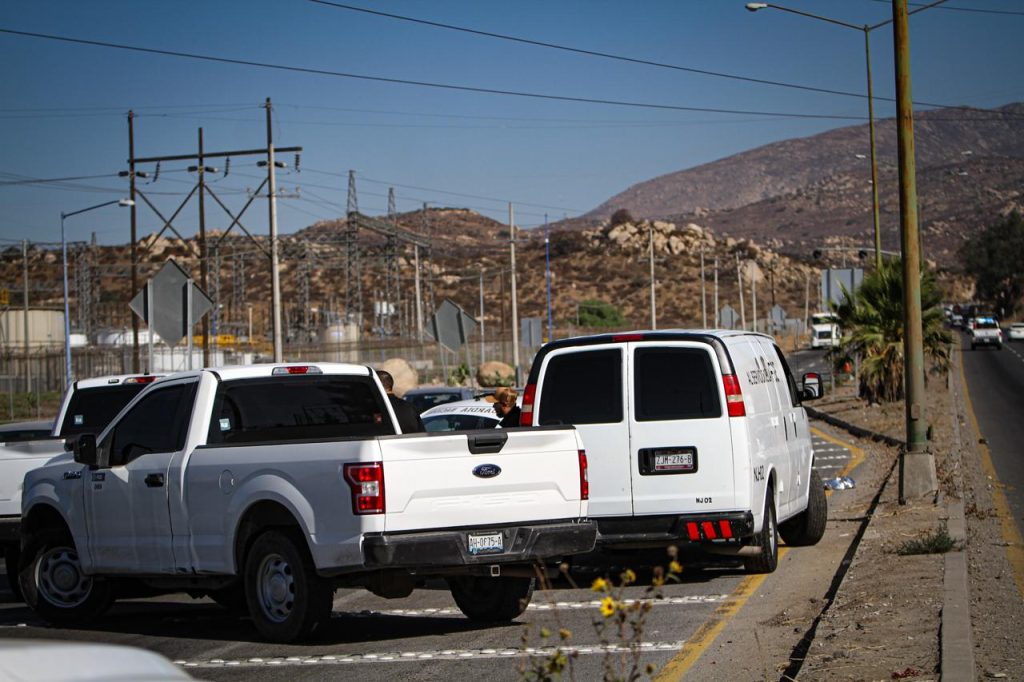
(481, 478)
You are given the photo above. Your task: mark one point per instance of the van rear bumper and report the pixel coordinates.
(450, 549)
(656, 531)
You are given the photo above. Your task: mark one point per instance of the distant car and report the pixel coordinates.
(956, 321)
(33, 659)
(461, 415)
(985, 331)
(19, 432)
(1016, 332)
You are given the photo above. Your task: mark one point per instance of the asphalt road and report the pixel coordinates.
(995, 382)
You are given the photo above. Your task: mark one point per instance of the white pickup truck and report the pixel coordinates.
(89, 405)
(269, 486)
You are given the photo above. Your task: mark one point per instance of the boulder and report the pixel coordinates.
(405, 375)
(495, 373)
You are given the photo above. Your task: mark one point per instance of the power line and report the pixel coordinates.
(25, 180)
(979, 10)
(425, 84)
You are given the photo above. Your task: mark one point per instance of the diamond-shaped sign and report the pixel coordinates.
(451, 325)
(166, 311)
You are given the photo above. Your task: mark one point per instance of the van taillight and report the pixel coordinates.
(733, 396)
(526, 411)
(584, 480)
(367, 484)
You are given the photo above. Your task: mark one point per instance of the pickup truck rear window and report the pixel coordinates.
(675, 383)
(297, 408)
(91, 409)
(582, 387)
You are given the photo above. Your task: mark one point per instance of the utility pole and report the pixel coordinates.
(703, 293)
(419, 293)
(515, 309)
(753, 296)
(203, 266)
(547, 270)
(718, 322)
(650, 250)
(739, 285)
(275, 277)
(807, 299)
(134, 238)
(24, 305)
(874, 157)
(917, 464)
(482, 339)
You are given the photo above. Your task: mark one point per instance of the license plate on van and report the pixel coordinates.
(485, 543)
(679, 461)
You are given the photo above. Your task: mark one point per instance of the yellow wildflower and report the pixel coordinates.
(628, 577)
(658, 580)
(599, 585)
(675, 567)
(607, 606)
(565, 633)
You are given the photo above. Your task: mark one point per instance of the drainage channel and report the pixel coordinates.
(803, 647)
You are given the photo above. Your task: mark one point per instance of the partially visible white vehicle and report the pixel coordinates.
(34, 660)
(462, 415)
(824, 330)
(985, 331)
(1015, 332)
(89, 405)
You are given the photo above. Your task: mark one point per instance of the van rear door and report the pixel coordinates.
(680, 445)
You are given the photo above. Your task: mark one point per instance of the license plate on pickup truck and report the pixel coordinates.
(485, 543)
(675, 461)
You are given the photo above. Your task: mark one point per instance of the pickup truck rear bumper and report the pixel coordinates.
(448, 549)
(655, 531)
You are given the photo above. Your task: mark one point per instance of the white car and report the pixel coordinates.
(1016, 332)
(28, 659)
(462, 415)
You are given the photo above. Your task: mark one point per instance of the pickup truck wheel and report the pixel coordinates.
(54, 585)
(491, 600)
(287, 599)
(12, 557)
(767, 540)
(808, 527)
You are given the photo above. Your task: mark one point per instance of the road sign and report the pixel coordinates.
(531, 332)
(451, 325)
(835, 281)
(728, 317)
(168, 306)
(777, 315)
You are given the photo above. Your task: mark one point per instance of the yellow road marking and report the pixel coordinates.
(1011, 533)
(705, 636)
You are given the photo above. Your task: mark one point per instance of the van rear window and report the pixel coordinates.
(675, 383)
(582, 388)
(297, 408)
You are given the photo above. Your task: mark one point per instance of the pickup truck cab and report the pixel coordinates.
(695, 439)
(88, 406)
(985, 331)
(267, 486)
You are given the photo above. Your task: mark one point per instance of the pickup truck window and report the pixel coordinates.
(582, 387)
(297, 408)
(157, 423)
(91, 409)
(675, 383)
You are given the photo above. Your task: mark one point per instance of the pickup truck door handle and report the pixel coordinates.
(154, 480)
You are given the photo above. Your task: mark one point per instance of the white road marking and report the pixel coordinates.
(556, 606)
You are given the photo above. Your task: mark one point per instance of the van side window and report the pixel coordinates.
(582, 388)
(157, 423)
(675, 383)
(794, 394)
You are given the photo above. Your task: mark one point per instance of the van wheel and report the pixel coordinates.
(54, 585)
(491, 600)
(287, 599)
(12, 557)
(808, 527)
(767, 540)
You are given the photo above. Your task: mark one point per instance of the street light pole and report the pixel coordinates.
(64, 260)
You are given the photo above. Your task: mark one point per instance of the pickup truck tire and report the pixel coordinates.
(767, 540)
(12, 557)
(491, 600)
(287, 599)
(54, 586)
(808, 527)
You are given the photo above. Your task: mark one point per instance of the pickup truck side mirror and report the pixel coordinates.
(811, 388)
(85, 450)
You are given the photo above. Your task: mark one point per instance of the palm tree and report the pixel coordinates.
(872, 324)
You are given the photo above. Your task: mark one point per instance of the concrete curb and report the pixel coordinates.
(956, 655)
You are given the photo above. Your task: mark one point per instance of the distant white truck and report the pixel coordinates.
(88, 406)
(266, 487)
(825, 331)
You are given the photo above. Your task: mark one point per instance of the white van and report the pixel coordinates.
(825, 330)
(693, 438)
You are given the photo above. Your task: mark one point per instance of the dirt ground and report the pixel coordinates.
(885, 621)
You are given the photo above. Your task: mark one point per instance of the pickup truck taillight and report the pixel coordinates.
(526, 411)
(367, 484)
(584, 480)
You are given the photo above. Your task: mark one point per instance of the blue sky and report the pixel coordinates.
(63, 105)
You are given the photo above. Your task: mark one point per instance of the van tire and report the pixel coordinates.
(808, 527)
(767, 540)
(491, 600)
(54, 586)
(287, 600)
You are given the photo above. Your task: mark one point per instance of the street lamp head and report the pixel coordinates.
(126, 202)
(754, 6)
